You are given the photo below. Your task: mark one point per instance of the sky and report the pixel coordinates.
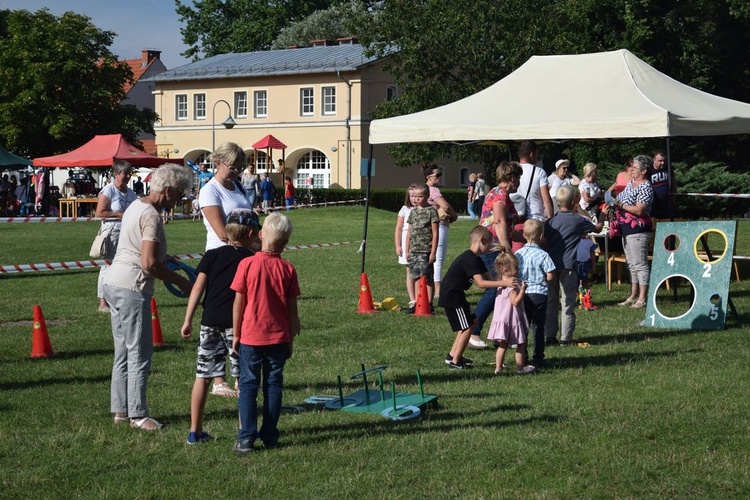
(139, 24)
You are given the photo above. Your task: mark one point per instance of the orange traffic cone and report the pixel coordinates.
(365, 296)
(156, 336)
(40, 344)
(423, 299)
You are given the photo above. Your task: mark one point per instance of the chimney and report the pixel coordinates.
(147, 55)
(347, 41)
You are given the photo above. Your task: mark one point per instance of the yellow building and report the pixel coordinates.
(317, 101)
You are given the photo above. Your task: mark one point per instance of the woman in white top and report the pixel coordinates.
(223, 193)
(561, 177)
(114, 198)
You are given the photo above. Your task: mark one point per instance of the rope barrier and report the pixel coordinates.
(44, 219)
(719, 195)
(93, 264)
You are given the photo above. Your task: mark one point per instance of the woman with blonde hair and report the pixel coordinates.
(223, 193)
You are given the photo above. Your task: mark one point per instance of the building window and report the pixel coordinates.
(306, 102)
(199, 106)
(181, 107)
(315, 166)
(240, 104)
(329, 100)
(463, 177)
(260, 162)
(390, 93)
(261, 103)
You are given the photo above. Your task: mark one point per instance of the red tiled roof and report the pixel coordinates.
(139, 66)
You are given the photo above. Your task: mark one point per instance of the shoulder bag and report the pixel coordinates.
(101, 242)
(520, 202)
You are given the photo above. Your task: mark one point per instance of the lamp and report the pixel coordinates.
(229, 123)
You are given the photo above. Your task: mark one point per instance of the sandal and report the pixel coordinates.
(638, 304)
(223, 390)
(626, 302)
(121, 419)
(145, 423)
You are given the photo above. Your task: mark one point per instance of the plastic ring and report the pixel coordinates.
(180, 266)
(402, 412)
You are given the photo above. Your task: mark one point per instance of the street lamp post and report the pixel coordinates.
(229, 123)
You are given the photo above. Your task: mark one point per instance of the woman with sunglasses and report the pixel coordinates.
(223, 193)
(432, 175)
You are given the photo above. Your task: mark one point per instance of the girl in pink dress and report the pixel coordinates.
(509, 324)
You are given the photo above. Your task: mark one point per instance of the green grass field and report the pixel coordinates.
(639, 413)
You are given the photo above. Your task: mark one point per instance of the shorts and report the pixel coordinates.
(584, 270)
(419, 265)
(461, 318)
(215, 344)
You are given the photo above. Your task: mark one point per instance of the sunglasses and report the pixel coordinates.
(233, 168)
(436, 175)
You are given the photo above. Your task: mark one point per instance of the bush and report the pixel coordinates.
(710, 177)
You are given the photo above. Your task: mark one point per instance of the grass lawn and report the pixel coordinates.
(638, 413)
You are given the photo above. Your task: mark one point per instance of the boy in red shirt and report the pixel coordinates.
(265, 321)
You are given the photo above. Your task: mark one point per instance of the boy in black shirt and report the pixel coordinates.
(215, 274)
(467, 268)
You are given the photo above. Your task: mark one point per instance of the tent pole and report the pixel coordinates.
(670, 185)
(363, 247)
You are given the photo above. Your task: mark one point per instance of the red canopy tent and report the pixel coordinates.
(270, 143)
(102, 151)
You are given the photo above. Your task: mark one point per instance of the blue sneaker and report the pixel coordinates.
(243, 447)
(194, 437)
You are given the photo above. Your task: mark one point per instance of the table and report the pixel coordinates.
(604, 234)
(69, 207)
(86, 201)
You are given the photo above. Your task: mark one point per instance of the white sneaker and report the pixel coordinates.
(526, 370)
(477, 344)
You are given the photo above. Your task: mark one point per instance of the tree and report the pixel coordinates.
(222, 26)
(60, 84)
(449, 49)
(348, 19)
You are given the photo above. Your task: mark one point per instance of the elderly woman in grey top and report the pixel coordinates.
(114, 199)
(128, 287)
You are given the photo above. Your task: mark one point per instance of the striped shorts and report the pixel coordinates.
(460, 318)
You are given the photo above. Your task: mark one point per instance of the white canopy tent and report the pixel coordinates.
(606, 95)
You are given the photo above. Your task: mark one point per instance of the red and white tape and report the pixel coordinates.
(719, 195)
(34, 219)
(92, 264)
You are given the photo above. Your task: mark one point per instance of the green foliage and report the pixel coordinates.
(451, 49)
(348, 19)
(710, 177)
(221, 26)
(60, 84)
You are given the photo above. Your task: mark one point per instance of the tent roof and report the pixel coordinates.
(10, 161)
(102, 151)
(585, 96)
(269, 141)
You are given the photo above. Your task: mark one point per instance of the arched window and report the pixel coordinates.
(313, 165)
